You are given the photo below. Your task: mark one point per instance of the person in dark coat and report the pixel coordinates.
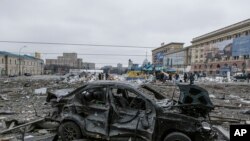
(176, 76)
(100, 76)
(191, 78)
(170, 77)
(248, 77)
(185, 77)
(107, 76)
(161, 76)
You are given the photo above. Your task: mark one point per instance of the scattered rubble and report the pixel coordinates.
(23, 100)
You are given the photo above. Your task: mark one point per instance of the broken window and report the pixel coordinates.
(95, 95)
(125, 98)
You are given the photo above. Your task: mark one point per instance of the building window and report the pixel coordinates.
(237, 35)
(218, 66)
(10, 61)
(15, 62)
(246, 33)
(211, 66)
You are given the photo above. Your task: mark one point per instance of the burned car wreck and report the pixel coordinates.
(111, 110)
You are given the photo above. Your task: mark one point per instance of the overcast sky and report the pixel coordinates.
(119, 22)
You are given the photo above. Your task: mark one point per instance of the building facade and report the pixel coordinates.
(178, 60)
(159, 53)
(13, 64)
(223, 50)
(68, 59)
(64, 63)
(89, 66)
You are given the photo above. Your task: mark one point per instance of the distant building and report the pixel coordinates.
(13, 64)
(130, 64)
(107, 69)
(66, 62)
(89, 66)
(68, 59)
(119, 68)
(158, 53)
(145, 62)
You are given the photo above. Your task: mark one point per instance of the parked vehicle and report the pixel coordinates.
(27, 74)
(240, 77)
(112, 110)
(12, 75)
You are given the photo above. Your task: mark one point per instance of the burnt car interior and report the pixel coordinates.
(127, 99)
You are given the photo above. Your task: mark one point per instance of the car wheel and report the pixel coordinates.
(69, 131)
(177, 136)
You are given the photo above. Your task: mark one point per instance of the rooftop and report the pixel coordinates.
(4, 53)
(166, 45)
(222, 30)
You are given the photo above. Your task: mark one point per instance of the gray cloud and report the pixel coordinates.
(130, 22)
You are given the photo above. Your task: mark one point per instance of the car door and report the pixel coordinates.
(132, 121)
(95, 110)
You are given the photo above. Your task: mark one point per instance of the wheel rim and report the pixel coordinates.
(70, 133)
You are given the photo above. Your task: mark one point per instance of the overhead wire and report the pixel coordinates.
(74, 44)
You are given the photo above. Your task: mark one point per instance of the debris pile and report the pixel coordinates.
(23, 105)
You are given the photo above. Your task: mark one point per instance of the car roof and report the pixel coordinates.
(109, 82)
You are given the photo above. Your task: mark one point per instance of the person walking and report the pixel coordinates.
(170, 77)
(191, 78)
(185, 77)
(107, 76)
(248, 77)
(100, 76)
(176, 76)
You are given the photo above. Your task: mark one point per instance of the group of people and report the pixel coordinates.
(164, 76)
(174, 77)
(103, 76)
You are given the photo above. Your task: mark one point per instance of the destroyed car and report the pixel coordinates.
(111, 110)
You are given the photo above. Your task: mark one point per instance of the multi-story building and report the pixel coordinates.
(66, 62)
(223, 50)
(130, 64)
(13, 64)
(159, 53)
(119, 68)
(68, 59)
(177, 59)
(89, 66)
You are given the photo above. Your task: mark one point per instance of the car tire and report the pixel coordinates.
(69, 131)
(177, 136)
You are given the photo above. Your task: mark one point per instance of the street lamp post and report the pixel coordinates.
(20, 60)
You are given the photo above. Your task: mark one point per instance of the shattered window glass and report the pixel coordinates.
(95, 95)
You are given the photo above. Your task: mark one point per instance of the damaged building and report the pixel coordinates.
(14, 64)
